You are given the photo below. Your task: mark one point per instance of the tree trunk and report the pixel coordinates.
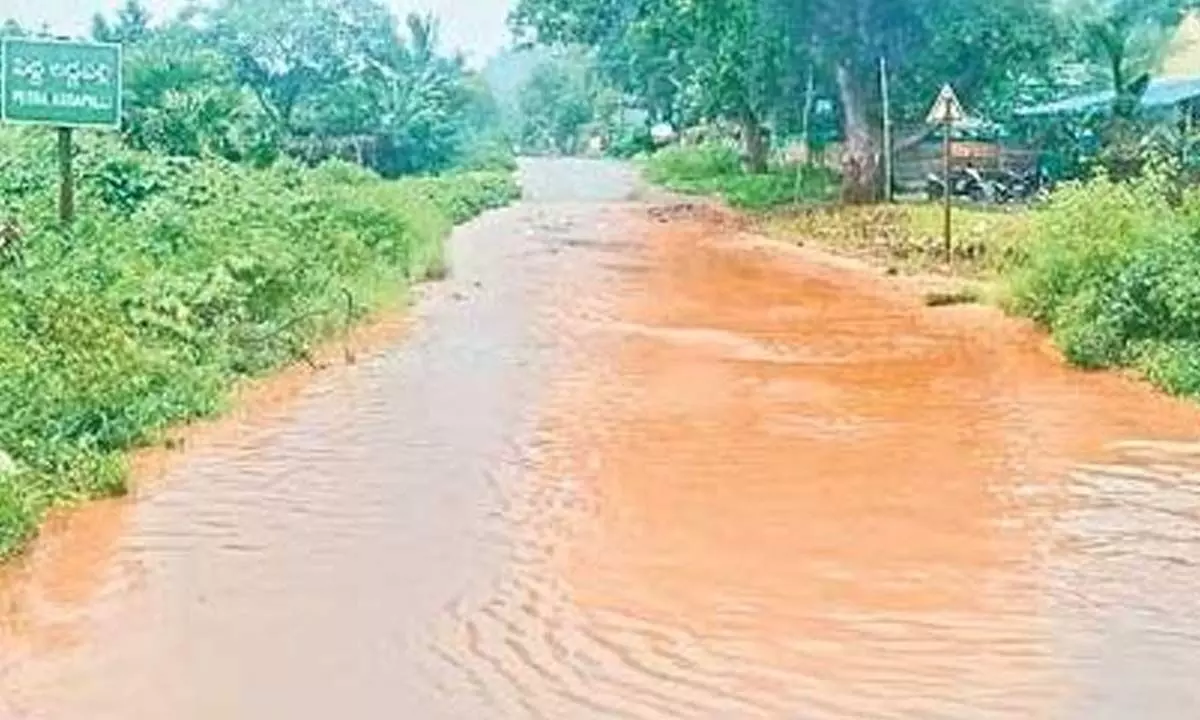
(860, 153)
(757, 144)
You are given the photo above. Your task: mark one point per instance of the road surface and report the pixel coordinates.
(633, 462)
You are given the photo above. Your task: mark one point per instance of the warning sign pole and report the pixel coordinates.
(947, 198)
(946, 111)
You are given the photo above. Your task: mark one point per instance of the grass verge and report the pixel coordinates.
(1111, 270)
(908, 238)
(180, 279)
(716, 170)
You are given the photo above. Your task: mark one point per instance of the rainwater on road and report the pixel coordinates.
(632, 462)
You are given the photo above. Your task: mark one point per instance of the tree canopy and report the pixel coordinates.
(748, 61)
(250, 80)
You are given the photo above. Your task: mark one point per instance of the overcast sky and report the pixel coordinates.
(475, 26)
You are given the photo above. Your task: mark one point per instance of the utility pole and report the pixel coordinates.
(888, 172)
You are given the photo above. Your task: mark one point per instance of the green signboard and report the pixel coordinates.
(66, 84)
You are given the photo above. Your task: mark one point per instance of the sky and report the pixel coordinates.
(475, 26)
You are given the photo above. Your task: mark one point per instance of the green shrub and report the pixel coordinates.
(700, 168)
(630, 143)
(1113, 269)
(779, 187)
(489, 153)
(714, 169)
(179, 278)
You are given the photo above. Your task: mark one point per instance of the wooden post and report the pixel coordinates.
(946, 176)
(66, 172)
(888, 172)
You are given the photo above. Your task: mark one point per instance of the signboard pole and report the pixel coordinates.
(948, 227)
(63, 85)
(66, 179)
(946, 111)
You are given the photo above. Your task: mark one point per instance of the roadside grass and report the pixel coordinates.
(716, 170)
(180, 279)
(908, 238)
(1110, 269)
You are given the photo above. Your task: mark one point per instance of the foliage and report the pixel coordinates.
(553, 100)
(183, 99)
(181, 277)
(908, 238)
(744, 60)
(714, 169)
(684, 61)
(554, 107)
(1124, 38)
(250, 80)
(630, 142)
(1113, 270)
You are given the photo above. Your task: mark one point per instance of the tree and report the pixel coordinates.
(986, 48)
(554, 107)
(11, 28)
(1125, 38)
(132, 24)
(739, 71)
(725, 57)
(686, 61)
(249, 79)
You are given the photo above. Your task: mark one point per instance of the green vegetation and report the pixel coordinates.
(763, 64)
(1113, 270)
(555, 100)
(908, 238)
(285, 167)
(255, 80)
(1110, 265)
(182, 277)
(714, 169)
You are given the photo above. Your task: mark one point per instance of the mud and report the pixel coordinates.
(632, 463)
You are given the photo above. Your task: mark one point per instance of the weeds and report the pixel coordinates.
(909, 238)
(179, 279)
(715, 169)
(1113, 270)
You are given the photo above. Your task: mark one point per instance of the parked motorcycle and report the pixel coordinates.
(1021, 187)
(999, 187)
(966, 183)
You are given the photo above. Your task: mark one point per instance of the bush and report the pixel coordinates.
(630, 143)
(489, 153)
(1113, 270)
(178, 279)
(715, 169)
(701, 169)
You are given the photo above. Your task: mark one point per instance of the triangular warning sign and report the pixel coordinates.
(947, 110)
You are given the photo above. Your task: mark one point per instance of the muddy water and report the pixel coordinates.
(634, 464)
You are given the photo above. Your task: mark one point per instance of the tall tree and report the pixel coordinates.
(554, 106)
(725, 54)
(685, 60)
(132, 24)
(1125, 39)
(985, 48)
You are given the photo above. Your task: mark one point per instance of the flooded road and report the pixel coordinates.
(633, 463)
